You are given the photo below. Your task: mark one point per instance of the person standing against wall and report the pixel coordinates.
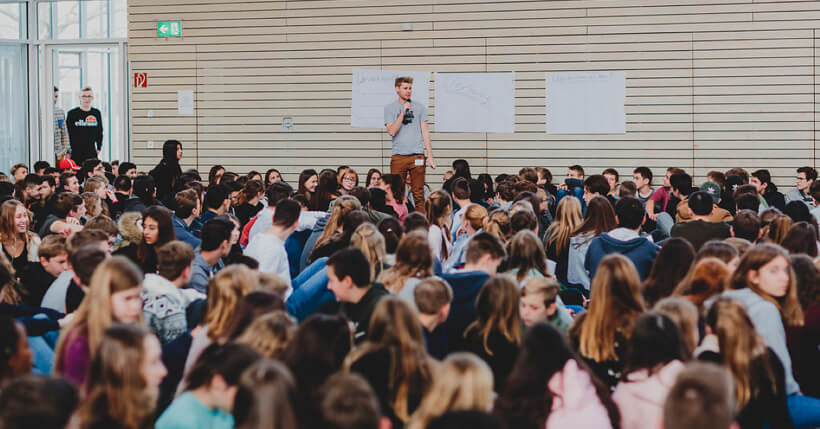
(85, 129)
(406, 122)
(60, 130)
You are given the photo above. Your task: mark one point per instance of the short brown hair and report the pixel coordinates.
(186, 202)
(403, 79)
(173, 258)
(484, 243)
(51, 246)
(348, 402)
(431, 294)
(85, 237)
(461, 189)
(65, 202)
(270, 282)
(103, 223)
(700, 398)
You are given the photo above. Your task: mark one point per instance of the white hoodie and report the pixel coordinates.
(164, 305)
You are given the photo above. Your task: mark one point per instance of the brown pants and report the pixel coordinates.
(401, 164)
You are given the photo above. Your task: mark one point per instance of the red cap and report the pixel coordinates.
(68, 163)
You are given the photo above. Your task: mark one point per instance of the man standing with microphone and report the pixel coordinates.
(406, 122)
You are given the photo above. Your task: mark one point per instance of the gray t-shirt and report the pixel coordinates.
(407, 140)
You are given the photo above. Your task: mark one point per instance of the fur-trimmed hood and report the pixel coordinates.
(130, 227)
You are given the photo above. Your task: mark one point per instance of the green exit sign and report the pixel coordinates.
(169, 29)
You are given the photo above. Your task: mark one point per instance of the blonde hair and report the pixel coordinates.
(269, 334)
(548, 288)
(225, 289)
(568, 219)
(685, 315)
(739, 345)
(614, 305)
(462, 382)
(475, 216)
(95, 315)
(370, 241)
(499, 225)
(93, 204)
(8, 228)
(270, 282)
(414, 258)
(95, 182)
(343, 205)
(753, 260)
(394, 326)
(497, 310)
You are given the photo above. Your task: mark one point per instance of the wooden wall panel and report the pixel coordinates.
(711, 84)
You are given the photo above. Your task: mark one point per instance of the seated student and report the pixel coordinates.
(216, 244)
(700, 228)
(346, 401)
(56, 295)
(36, 401)
(187, 210)
(15, 356)
(217, 201)
(700, 398)
(762, 181)
(164, 299)
(123, 186)
(596, 185)
(642, 177)
(123, 379)
(539, 303)
(82, 263)
(626, 240)
(393, 360)
(747, 225)
(269, 247)
(69, 208)
(495, 336)
(684, 211)
(654, 357)
(210, 389)
(413, 263)
(806, 176)
(265, 397)
(349, 279)
(37, 277)
(432, 298)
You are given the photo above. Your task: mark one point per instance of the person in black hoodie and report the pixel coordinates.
(167, 173)
(762, 180)
(144, 195)
(36, 277)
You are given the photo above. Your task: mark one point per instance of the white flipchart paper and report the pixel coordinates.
(586, 103)
(185, 102)
(374, 89)
(475, 102)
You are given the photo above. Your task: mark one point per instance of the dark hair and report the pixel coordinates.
(645, 172)
(521, 220)
(763, 176)
(212, 174)
(577, 168)
(670, 267)
(41, 165)
(630, 212)
(85, 260)
(599, 218)
(9, 338)
(531, 198)
(186, 201)
(36, 401)
(461, 168)
(124, 167)
(747, 225)
(304, 176)
(214, 232)
(505, 191)
(801, 238)
(227, 360)
(65, 202)
(527, 400)
(216, 196)
(811, 174)
(248, 309)
(362, 194)
(147, 253)
(391, 230)
(317, 350)
(656, 340)
(346, 401)
(461, 189)
(268, 173)
(476, 191)
(396, 183)
(326, 190)
(415, 221)
(482, 244)
(474, 419)
(287, 213)
(597, 183)
(122, 183)
(798, 211)
(145, 188)
(487, 181)
(717, 249)
(807, 277)
(370, 174)
(747, 202)
(681, 182)
(277, 192)
(701, 203)
(353, 263)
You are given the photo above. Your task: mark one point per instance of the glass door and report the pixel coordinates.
(70, 68)
(13, 105)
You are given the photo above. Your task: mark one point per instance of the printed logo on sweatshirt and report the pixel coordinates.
(89, 121)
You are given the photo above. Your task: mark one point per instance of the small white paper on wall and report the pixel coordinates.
(586, 103)
(374, 89)
(185, 102)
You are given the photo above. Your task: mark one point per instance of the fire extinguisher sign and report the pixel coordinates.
(140, 80)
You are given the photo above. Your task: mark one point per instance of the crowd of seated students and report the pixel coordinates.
(135, 299)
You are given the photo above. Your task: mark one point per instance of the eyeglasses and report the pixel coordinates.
(349, 179)
(86, 96)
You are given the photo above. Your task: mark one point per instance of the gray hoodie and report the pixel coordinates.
(767, 321)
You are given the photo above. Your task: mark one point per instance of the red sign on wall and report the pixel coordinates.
(140, 80)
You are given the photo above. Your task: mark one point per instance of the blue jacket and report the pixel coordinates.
(449, 336)
(639, 250)
(183, 232)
